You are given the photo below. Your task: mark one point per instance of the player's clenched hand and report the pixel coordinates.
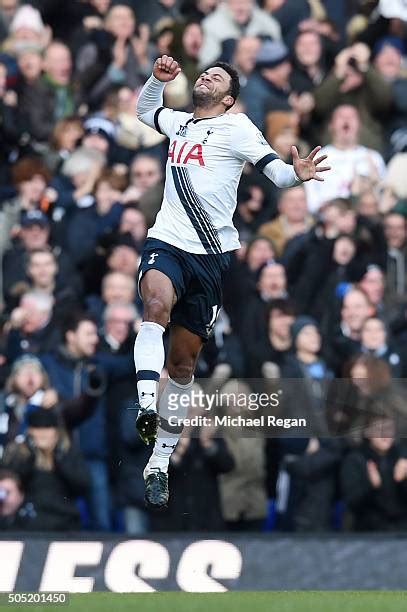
(166, 68)
(309, 168)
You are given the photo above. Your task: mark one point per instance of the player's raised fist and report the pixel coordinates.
(166, 68)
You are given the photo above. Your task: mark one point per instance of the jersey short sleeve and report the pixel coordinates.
(249, 144)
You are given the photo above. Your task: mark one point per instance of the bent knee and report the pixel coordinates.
(181, 371)
(156, 309)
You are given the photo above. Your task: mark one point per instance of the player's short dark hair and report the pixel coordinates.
(234, 90)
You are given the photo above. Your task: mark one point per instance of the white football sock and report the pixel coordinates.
(149, 359)
(173, 396)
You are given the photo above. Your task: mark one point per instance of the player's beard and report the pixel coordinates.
(204, 98)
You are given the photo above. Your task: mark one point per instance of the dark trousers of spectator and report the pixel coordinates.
(99, 504)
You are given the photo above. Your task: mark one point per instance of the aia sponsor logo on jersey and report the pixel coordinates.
(186, 153)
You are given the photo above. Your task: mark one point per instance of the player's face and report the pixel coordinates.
(211, 87)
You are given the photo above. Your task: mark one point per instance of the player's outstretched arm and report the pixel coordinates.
(310, 167)
(165, 69)
(286, 175)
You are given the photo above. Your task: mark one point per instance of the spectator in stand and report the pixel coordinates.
(271, 285)
(242, 277)
(309, 61)
(30, 67)
(146, 186)
(306, 483)
(129, 454)
(32, 327)
(34, 234)
(86, 225)
(374, 340)
(347, 157)
(244, 56)
(354, 81)
(334, 274)
(64, 139)
(185, 46)
(100, 136)
(113, 55)
(51, 97)
(293, 219)
(200, 457)
(42, 272)
(11, 127)
(73, 370)
(307, 363)
(282, 131)
(242, 490)
(132, 135)
(77, 180)
(372, 392)
(197, 10)
(13, 511)
(374, 480)
(395, 230)
(231, 20)
(275, 341)
(372, 284)
(52, 470)
(27, 32)
(124, 256)
(116, 287)
(31, 178)
(27, 389)
(388, 61)
(133, 222)
(268, 87)
(249, 211)
(344, 341)
(155, 11)
(8, 9)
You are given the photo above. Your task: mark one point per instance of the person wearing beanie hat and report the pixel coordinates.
(42, 418)
(53, 472)
(309, 457)
(299, 324)
(27, 32)
(99, 134)
(306, 363)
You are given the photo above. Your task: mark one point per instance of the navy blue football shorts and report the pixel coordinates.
(197, 280)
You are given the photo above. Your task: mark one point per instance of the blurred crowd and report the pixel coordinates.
(316, 293)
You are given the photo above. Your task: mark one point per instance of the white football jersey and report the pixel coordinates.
(205, 161)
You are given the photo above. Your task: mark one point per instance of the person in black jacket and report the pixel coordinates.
(374, 480)
(194, 466)
(52, 470)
